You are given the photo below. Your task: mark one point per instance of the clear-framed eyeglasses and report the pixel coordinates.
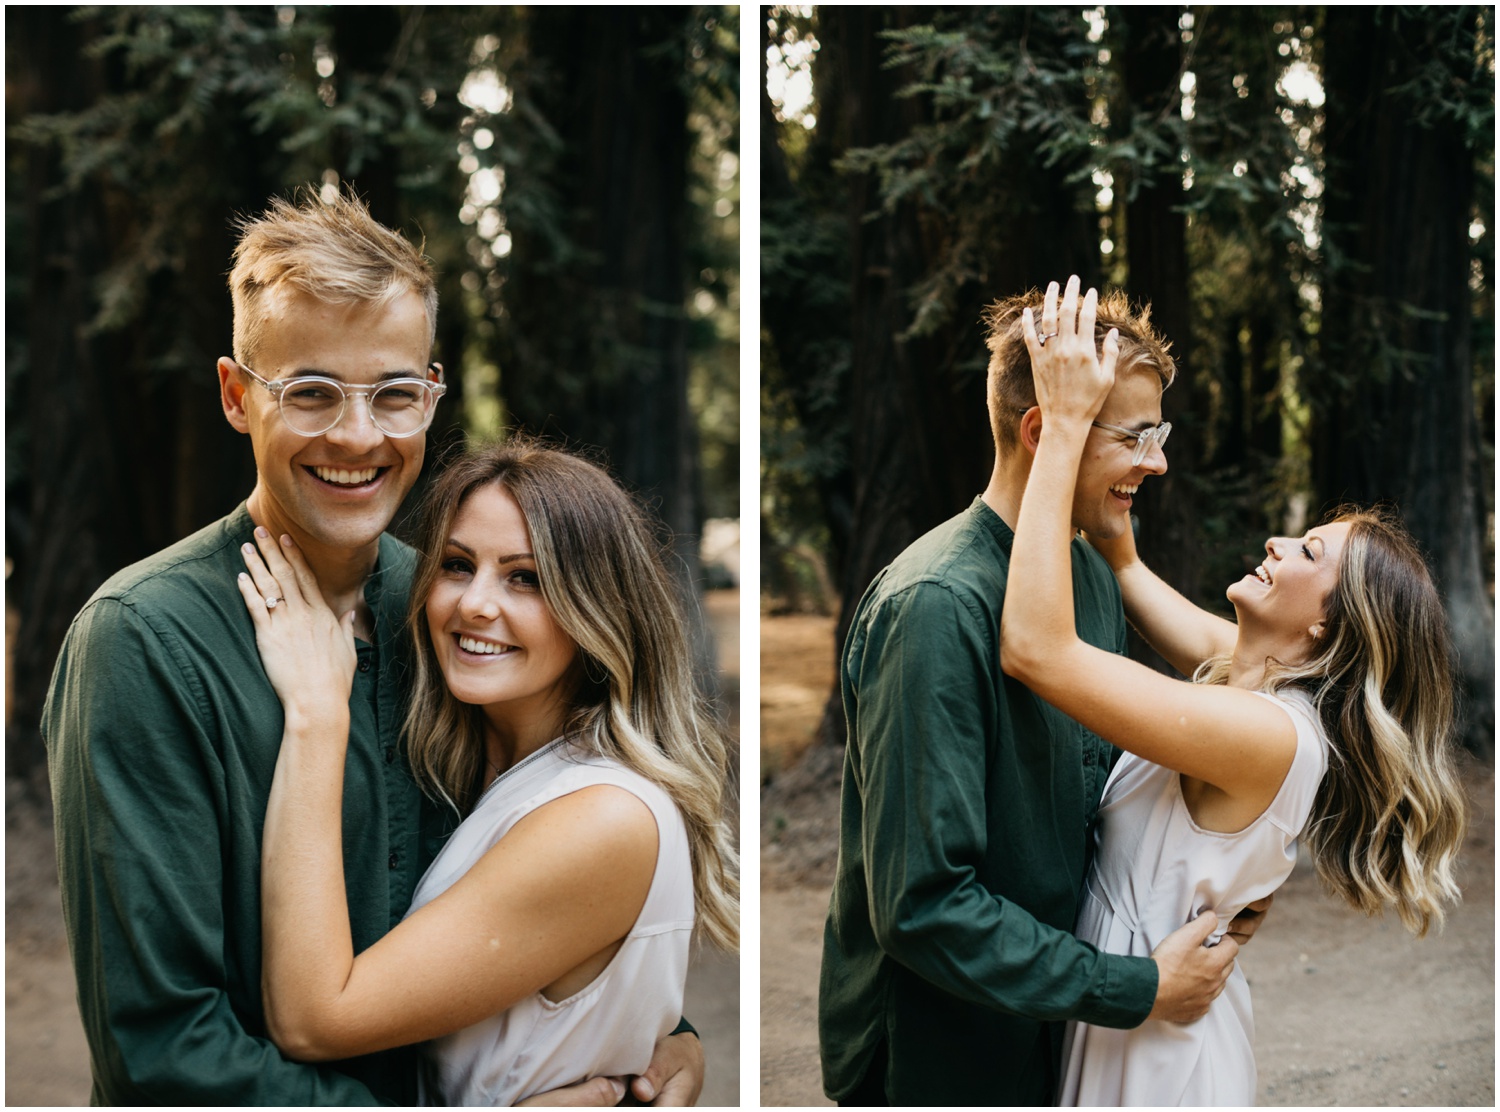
(312, 405)
(1143, 438)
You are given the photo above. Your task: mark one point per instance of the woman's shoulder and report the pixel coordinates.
(1294, 802)
(580, 767)
(1299, 703)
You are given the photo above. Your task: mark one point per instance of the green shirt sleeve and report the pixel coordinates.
(922, 772)
(140, 792)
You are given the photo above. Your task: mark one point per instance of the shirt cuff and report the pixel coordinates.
(1127, 994)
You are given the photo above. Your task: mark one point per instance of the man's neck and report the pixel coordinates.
(341, 572)
(1006, 486)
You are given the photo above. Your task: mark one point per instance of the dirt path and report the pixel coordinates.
(1349, 1011)
(47, 1057)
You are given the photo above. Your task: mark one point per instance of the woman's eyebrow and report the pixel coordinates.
(510, 559)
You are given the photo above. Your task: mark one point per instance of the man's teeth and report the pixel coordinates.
(485, 647)
(1125, 488)
(1262, 574)
(346, 478)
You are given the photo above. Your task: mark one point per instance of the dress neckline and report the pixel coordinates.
(530, 758)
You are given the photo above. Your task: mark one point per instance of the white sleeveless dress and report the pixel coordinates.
(611, 1026)
(1155, 870)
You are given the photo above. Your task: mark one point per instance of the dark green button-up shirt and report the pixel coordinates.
(964, 839)
(162, 734)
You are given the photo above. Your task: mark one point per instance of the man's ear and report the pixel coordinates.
(232, 394)
(1031, 429)
(435, 372)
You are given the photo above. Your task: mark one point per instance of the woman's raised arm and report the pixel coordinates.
(1184, 634)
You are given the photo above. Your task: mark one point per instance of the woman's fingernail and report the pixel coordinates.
(249, 548)
(260, 531)
(286, 540)
(243, 577)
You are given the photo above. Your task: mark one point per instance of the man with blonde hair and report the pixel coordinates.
(949, 960)
(162, 729)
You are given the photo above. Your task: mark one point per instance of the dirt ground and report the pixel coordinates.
(1349, 1011)
(47, 1058)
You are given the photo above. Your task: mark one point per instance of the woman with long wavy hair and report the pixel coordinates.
(553, 708)
(1324, 713)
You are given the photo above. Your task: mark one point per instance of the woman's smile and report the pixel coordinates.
(476, 647)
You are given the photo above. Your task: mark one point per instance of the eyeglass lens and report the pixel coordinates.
(1148, 437)
(313, 406)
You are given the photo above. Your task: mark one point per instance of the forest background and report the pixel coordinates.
(573, 173)
(1304, 194)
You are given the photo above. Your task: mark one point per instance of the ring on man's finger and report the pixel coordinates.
(271, 601)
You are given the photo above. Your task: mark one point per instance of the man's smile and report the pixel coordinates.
(347, 478)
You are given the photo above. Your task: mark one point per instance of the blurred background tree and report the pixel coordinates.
(572, 172)
(1304, 194)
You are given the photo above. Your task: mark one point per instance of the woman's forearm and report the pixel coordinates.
(1184, 634)
(1038, 621)
(307, 950)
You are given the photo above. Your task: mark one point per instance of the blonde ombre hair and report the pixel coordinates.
(603, 579)
(1390, 815)
(331, 250)
(1010, 385)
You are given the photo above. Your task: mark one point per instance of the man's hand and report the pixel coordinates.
(596, 1092)
(1247, 922)
(1190, 975)
(675, 1076)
